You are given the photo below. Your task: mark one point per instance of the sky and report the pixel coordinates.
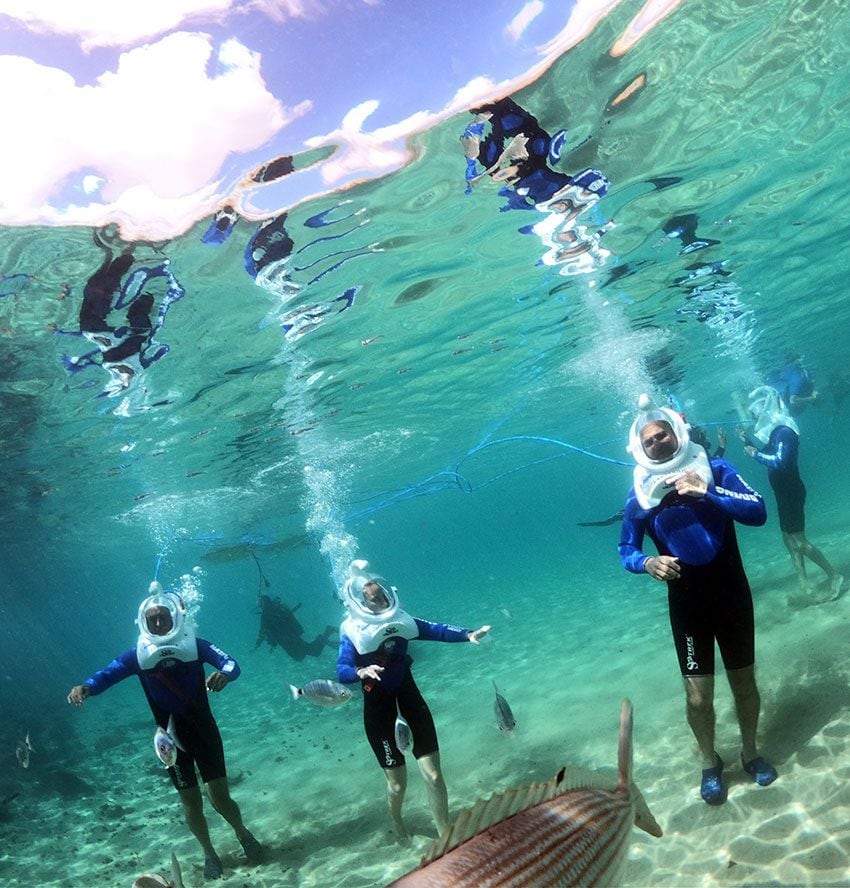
(152, 113)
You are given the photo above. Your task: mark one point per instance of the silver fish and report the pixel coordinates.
(166, 744)
(322, 692)
(504, 716)
(572, 830)
(154, 880)
(403, 734)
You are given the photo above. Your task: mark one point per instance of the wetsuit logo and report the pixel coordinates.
(389, 761)
(691, 662)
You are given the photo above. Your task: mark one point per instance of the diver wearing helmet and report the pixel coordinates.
(776, 447)
(688, 505)
(169, 661)
(374, 639)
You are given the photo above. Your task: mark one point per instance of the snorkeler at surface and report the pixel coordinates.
(684, 229)
(510, 146)
(124, 350)
(373, 649)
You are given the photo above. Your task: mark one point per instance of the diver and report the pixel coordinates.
(374, 639)
(688, 503)
(280, 628)
(794, 384)
(777, 446)
(169, 661)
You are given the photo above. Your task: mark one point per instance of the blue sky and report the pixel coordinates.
(150, 112)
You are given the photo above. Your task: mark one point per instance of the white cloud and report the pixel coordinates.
(375, 152)
(584, 17)
(652, 12)
(518, 24)
(127, 22)
(157, 130)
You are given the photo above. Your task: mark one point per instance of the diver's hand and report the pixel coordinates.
(218, 681)
(750, 450)
(663, 567)
(79, 694)
(476, 636)
(374, 672)
(721, 438)
(689, 484)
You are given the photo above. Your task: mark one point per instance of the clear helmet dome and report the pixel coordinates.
(367, 595)
(162, 616)
(649, 411)
(768, 410)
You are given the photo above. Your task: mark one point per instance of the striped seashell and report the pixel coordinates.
(572, 830)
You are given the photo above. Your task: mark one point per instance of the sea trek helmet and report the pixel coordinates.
(649, 412)
(359, 576)
(158, 597)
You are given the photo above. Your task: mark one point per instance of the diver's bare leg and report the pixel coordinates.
(699, 691)
(792, 544)
(219, 794)
(811, 551)
(747, 706)
(193, 808)
(438, 796)
(396, 787)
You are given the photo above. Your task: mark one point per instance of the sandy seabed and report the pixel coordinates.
(311, 792)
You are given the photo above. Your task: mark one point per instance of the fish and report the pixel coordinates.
(572, 830)
(322, 692)
(166, 744)
(154, 880)
(23, 750)
(403, 734)
(504, 716)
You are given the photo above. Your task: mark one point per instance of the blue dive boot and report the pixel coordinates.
(712, 789)
(761, 771)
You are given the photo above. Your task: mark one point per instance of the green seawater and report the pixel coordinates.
(363, 437)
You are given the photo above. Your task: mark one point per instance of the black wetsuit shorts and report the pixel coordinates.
(790, 493)
(379, 715)
(713, 602)
(202, 747)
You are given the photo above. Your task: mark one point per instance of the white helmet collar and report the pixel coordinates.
(768, 411)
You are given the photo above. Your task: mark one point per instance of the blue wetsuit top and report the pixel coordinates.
(780, 453)
(693, 529)
(792, 381)
(392, 654)
(173, 686)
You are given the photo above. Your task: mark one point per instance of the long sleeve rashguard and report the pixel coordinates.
(691, 529)
(394, 659)
(173, 686)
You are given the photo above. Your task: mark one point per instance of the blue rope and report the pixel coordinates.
(452, 478)
(573, 447)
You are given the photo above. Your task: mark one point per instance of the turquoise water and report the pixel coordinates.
(360, 437)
